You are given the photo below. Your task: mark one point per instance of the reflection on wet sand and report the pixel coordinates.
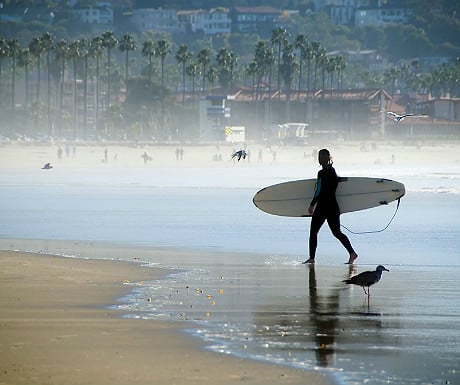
(324, 318)
(325, 324)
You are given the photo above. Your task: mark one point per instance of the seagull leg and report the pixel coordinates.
(365, 292)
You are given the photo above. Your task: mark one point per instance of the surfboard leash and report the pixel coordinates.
(374, 231)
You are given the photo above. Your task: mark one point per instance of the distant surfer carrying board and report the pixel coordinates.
(324, 207)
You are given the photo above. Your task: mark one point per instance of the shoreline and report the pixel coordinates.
(56, 328)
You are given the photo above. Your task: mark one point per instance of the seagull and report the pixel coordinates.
(397, 117)
(240, 154)
(367, 278)
(47, 166)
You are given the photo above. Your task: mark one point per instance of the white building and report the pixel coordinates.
(209, 21)
(164, 20)
(100, 14)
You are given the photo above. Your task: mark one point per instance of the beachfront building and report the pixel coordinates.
(214, 117)
(349, 114)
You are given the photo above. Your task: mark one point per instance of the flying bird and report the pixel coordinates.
(397, 117)
(367, 278)
(239, 154)
(47, 166)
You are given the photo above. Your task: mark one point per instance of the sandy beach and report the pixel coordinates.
(55, 328)
(222, 276)
(92, 156)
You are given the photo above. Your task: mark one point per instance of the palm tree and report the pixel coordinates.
(36, 48)
(84, 52)
(318, 54)
(211, 75)
(75, 54)
(25, 61)
(264, 60)
(13, 50)
(390, 76)
(226, 61)
(329, 68)
(192, 71)
(183, 57)
(149, 50)
(47, 42)
(340, 66)
(127, 43)
(251, 70)
(322, 62)
(61, 50)
(162, 50)
(204, 59)
(309, 56)
(3, 55)
(301, 43)
(108, 42)
(95, 51)
(288, 67)
(279, 38)
(233, 65)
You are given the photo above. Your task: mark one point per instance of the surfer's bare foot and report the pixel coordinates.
(309, 260)
(353, 257)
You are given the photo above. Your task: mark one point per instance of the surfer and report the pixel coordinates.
(324, 207)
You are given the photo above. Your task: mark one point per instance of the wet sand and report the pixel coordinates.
(55, 328)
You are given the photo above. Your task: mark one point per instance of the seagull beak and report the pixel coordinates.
(386, 270)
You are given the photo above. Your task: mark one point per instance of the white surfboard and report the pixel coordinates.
(291, 199)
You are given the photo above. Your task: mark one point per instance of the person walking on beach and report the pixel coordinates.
(324, 207)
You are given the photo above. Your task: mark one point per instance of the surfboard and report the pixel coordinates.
(291, 199)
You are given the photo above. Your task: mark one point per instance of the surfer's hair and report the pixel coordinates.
(324, 154)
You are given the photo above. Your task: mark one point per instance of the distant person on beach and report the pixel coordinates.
(324, 207)
(146, 157)
(260, 157)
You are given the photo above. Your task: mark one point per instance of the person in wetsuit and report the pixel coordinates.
(324, 207)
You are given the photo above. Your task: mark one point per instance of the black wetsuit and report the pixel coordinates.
(326, 208)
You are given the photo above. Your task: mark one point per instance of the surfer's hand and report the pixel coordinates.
(311, 209)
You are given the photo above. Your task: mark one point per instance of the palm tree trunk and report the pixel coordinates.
(75, 99)
(48, 71)
(85, 94)
(61, 98)
(97, 96)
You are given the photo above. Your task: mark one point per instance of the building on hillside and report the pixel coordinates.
(209, 21)
(156, 19)
(260, 19)
(371, 60)
(379, 16)
(341, 11)
(100, 14)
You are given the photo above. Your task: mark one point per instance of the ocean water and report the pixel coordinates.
(240, 277)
